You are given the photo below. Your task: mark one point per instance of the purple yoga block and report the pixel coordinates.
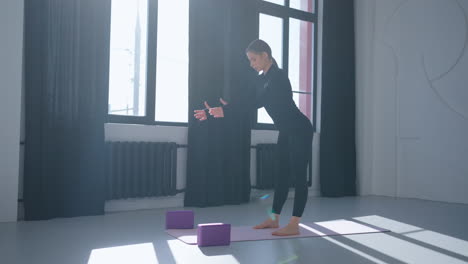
(180, 220)
(215, 234)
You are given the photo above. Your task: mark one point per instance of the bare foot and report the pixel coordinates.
(269, 223)
(289, 230)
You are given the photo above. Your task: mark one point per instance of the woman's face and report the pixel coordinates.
(258, 61)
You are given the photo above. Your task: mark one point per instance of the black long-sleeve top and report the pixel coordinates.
(275, 94)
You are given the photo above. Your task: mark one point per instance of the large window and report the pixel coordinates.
(148, 74)
(127, 81)
(271, 31)
(290, 28)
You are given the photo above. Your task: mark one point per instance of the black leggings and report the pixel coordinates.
(294, 153)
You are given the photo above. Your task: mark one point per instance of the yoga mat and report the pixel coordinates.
(317, 229)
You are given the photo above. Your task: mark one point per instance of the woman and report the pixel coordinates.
(294, 139)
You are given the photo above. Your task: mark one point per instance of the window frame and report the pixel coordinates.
(285, 12)
(151, 66)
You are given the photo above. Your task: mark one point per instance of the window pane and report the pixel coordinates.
(127, 71)
(271, 31)
(301, 61)
(304, 5)
(279, 2)
(172, 61)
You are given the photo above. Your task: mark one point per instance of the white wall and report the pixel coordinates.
(364, 33)
(412, 94)
(11, 56)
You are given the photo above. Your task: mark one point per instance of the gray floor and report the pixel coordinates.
(423, 232)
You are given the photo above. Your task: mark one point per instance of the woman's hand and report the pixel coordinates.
(200, 115)
(216, 112)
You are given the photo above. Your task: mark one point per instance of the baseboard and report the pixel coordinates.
(113, 206)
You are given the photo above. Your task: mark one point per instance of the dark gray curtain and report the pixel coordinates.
(337, 137)
(218, 165)
(66, 79)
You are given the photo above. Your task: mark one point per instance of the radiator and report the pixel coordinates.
(268, 167)
(140, 169)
